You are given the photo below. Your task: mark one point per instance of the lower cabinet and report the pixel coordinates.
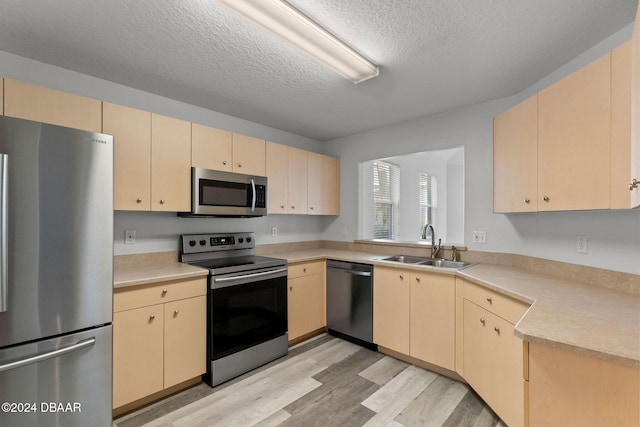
(493, 357)
(414, 314)
(306, 298)
(159, 337)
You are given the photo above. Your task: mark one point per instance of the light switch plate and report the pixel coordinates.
(479, 237)
(129, 237)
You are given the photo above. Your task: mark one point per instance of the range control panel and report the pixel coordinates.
(196, 243)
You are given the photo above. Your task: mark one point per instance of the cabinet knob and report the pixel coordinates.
(162, 201)
(418, 279)
(634, 184)
(304, 270)
(224, 162)
(497, 329)
(281, 206)
(489, 300)
(164, 292)
(545, 198)
(527, 201)
(291, 288)
(311, 207)
(401, 277)
(293, 207)
(176, 312)
(138, 200)
(239, 165)
(153, 316)
(482, 320)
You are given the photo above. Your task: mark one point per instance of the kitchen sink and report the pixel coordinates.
(405, 259)
(435, 262)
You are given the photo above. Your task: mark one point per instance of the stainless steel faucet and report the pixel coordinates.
(434, 248)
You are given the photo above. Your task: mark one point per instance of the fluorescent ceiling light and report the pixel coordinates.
(290, 24)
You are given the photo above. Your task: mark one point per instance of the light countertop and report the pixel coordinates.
(587, 319)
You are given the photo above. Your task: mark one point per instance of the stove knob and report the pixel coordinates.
(192, 242)
(248, 239)
(203, 242)
(240, 239)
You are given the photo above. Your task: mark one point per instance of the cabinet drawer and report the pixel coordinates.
(157, 293)
(495, 302)
(305, 269)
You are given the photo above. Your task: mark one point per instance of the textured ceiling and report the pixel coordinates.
(434, 55)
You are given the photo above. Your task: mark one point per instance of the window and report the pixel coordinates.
(386, 195)
(428, 193)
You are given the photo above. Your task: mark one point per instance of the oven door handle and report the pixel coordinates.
(249, 276)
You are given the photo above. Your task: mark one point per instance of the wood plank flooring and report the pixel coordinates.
(324, 382)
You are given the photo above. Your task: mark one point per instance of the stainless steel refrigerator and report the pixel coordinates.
(56, 268)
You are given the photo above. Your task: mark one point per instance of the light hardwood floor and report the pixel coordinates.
(324, 382)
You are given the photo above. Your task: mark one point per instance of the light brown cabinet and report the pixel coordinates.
(391, 308)
(432, 325)
(40, 104)
(151, 160)
(170, 164)
(248, 155)
(1, 96)
(492, 356)
(515, 158)
(323, 184)
(158, 337)
(211, 148)
(621, 126)
(306, 298)
(287, 172)
(131, 130)
(635, 112)
(574, 140)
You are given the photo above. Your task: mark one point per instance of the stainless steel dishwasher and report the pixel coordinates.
(350, 301)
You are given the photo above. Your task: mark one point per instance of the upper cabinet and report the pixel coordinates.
(30, 102)
(635, 112)
(211, 148)
(515, 158)
(248, 155)
(323, 184)
(572, 150)
(574, 140)
(152, 160)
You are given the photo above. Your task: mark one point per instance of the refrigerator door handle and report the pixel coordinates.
(4, 264)
(48, 355)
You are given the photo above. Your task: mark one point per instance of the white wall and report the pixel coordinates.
(157, 232)
(613, 237)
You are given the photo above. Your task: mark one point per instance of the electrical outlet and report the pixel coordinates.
(581, 246)
(129, 237)
(344, 231)
(274, 231)
(479, 237)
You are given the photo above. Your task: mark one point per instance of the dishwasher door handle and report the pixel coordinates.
(352, 272)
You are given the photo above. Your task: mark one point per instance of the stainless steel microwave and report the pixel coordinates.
(218, 193)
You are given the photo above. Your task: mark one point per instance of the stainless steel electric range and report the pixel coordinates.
(246, 303)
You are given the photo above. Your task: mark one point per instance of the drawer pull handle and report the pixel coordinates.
(482, 320)
(418, 279)
(497, 329)
(164, 292)
(489, 300)
(401, 277)
(545, 198)
(153, 316)
(176, 312)
(527, 201)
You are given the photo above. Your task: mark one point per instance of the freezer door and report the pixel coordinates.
(57, 205)
(60, 382)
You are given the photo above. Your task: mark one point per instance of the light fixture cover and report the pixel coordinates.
(290, 24)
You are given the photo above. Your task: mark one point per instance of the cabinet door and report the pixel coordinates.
(478, 351)
(170, 164)
(433, 318)
(635, 110)
(391, 305)
(515, 158)
(131, 130)
(137, 353)
(507, 389)
(277, 168)
(574, 141)
(211, 148)
(621, 126)
(26, 101)
(305, 305)
(248, 155)
(324, 185)
(185, 349)
(1, 96)
(297, 181)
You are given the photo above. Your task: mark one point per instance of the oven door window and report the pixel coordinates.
(224, 193)
(242, 316)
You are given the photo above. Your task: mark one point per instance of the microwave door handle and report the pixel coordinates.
(253, 198)
(4, 227)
